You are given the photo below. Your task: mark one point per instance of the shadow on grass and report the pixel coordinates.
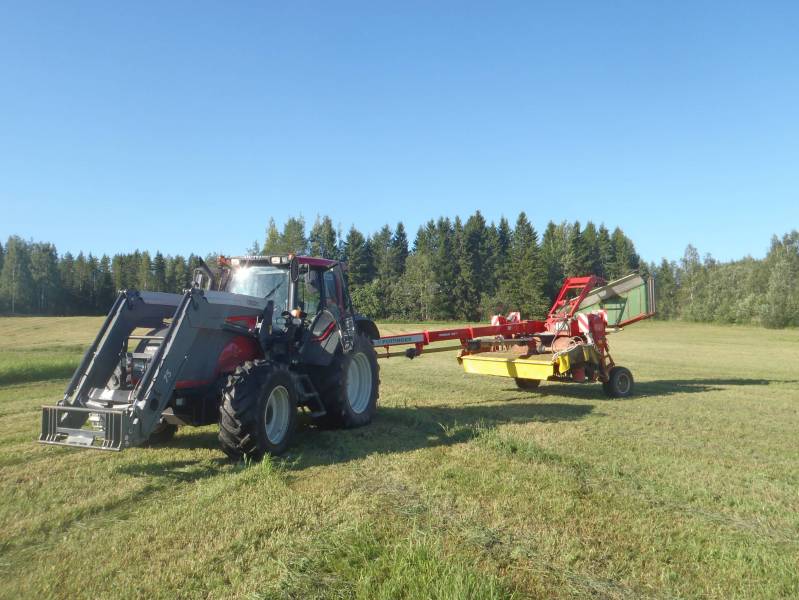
(398, 430)
(394, 430)
(647, 389)
(177, 471)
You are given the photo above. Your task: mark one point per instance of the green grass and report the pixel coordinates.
(463, 487)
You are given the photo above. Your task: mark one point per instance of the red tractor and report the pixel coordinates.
(246, 347)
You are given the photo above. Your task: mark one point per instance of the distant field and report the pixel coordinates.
(463, 487)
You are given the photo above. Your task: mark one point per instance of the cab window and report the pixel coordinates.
(332, 294)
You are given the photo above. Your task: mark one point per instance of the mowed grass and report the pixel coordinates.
(463, 487)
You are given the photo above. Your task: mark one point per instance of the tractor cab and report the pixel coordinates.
(301, 286)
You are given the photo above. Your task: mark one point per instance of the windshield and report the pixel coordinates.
(263, 282)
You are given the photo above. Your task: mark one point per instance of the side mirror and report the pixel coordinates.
(198, 280)
(201, 274)
(294, 269)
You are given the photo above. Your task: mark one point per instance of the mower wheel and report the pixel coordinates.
(620, 383)
(258, 412)
(528, 385)
(350, 397)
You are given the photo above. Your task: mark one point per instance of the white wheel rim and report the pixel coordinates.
(359, 383)
(277, 414)
(623, 383)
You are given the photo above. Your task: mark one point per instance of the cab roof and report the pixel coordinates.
(312, 261)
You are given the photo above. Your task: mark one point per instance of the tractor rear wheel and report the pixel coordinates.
(619, 384)
(528, 385)
(258, 412)
(350, 396)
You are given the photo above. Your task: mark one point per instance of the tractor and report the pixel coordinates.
(250, 345)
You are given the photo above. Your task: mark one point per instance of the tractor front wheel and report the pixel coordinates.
(528, 385)
(619, 384)
(350, 397)
(258, 412)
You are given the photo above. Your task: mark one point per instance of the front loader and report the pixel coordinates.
(245, 347)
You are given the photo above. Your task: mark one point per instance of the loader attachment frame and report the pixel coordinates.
(123, 418)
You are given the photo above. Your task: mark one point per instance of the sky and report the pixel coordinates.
(185, 126)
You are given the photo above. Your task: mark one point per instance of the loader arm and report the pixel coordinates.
(200, 320)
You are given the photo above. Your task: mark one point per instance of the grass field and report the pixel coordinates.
(463, 487)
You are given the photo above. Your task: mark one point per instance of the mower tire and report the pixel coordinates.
(258, 411)
(620, 383)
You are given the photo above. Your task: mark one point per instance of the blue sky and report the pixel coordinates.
(183, 126)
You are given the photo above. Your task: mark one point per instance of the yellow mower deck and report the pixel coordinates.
(536, 366)
(502, 364)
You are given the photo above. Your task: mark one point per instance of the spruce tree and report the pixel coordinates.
(591, 241)
(425, 238)
(607, 254)
(444, 271)
(44, 277)
(357, 258)
(553, 248)
(322, 239)
(399, 250)
(105, 287)
(272, 242)
(576, 262)
(182, 275)
(527, 291)
(16, 287)
(293, 239)
(159, 273)
(471, 253)
(145, 272)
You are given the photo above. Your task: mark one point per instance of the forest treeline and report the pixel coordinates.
(452, 270)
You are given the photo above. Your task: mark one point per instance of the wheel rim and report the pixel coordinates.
(359, 383)
(277, 414)
(623, 383)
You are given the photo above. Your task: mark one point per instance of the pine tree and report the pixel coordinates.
(2, 254)
(118, 270)
(625, 257)
(272, 244)
(357, 259)
(607, 254)
(159, 273)
(502, 265)
(16, 287)
(591, 242)
(293, 240)
(472, 258)
(444, 270)
(322, 239)
(576, 262)
(553, 248)
(666, 289)
(527, 291)
(81, 285)
(105, 287)
(44, 277)
(182, 275)
(145, 272)
(399, 250)
(425, 238)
